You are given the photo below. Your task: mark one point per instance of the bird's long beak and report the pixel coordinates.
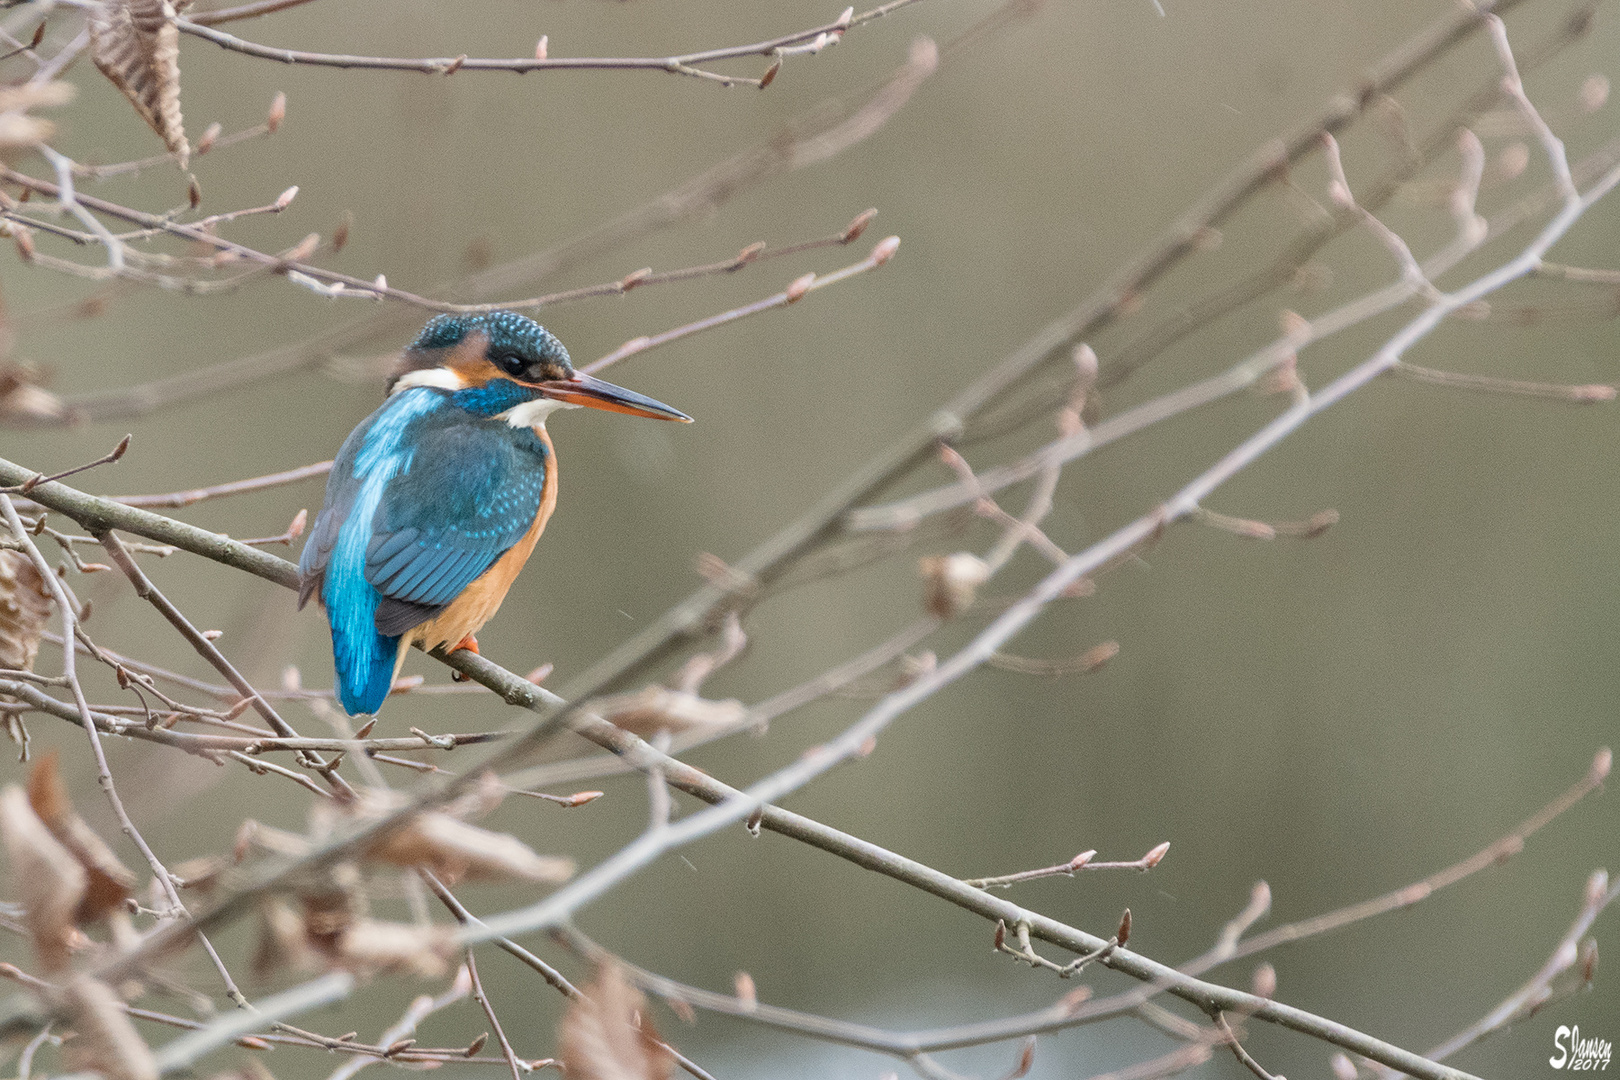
(596, 393)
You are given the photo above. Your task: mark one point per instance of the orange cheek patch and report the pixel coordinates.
(468, 360)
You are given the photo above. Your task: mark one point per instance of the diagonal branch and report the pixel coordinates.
(731, 805)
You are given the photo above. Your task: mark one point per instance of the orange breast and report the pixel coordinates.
(479, 601)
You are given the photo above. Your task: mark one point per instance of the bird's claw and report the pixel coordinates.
(469, 643)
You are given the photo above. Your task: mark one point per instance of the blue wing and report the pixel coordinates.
(422, 499)
(472, 491)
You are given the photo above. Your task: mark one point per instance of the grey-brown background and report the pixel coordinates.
(1337, 717)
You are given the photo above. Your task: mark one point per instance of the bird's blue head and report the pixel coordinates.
(499, 361)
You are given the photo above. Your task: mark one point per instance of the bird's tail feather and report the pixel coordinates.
(365, 670)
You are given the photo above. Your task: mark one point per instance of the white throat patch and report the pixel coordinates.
(534, 413)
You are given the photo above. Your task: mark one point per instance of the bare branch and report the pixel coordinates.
(802, 41)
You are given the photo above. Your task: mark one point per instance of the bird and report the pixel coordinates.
(435, 501)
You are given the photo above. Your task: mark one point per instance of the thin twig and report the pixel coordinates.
(494, 1021)
(681, 64)
(1230, 1038)
(1493, 854)
(1086, 860)
(234, 487)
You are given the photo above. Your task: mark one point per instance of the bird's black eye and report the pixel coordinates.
(511, 363)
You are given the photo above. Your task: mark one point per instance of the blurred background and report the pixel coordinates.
(1338, 717)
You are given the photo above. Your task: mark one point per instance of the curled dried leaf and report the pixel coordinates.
(252, 835)
(282, 942)
(108, 881)
(480, 799)
(107, 1041)
(330, 911)
(18, 130)
(25, 96)
(25, 608)
(458, 851)
(606, 1035)
(49, 880)
(136, 45)
(373, 947)
(333, 931)
(21, 396)
(202, 873)
(657, 708)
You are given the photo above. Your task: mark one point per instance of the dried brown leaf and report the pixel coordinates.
(459, 851)
(25, 607)
(480, 799)
(21, 396)
(657, 708)
(372, 947)
(606, 1035)
(19, 131)
(109, 882)
(49, 880)
(282, 942)
(328, 914)
(25, 96)
(137, 46)
(252, 834)
(202, 873)
(107, 1041)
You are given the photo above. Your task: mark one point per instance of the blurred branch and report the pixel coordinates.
(1493, 854)
(234, 487)
(1457, 380)
(204, 146)
(853, 741)
(242, 11)
(180, 1054)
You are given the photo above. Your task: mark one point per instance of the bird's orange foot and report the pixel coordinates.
(469, 643)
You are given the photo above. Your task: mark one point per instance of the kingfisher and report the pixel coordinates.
(435, 501)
